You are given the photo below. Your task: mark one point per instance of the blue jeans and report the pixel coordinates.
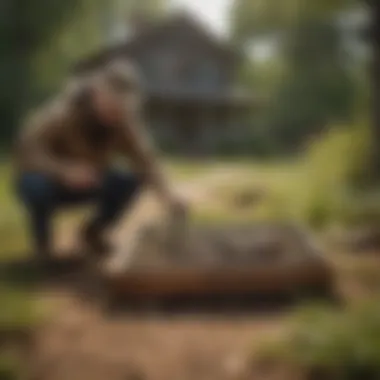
(42, 196)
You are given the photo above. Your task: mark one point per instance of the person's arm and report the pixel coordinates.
(138, 145)
(133, 140)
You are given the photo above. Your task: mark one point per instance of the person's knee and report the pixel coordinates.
(35, 190)
(123, 185)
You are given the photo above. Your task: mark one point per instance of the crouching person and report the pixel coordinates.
(64, 156)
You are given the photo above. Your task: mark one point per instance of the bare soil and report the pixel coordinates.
(81, 342)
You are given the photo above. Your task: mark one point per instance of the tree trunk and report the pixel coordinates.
(375, 38)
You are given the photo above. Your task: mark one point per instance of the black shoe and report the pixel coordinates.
(95, 241)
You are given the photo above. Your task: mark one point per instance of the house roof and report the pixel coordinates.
(183, 20)
(235, 97)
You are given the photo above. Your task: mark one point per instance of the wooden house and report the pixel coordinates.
(193, 105)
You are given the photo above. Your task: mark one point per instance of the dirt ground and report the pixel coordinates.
(83, 343)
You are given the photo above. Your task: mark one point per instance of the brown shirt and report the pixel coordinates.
(66, 131)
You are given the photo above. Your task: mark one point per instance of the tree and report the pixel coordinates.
(82, 33)
(41, 39)
(374, 35)
(257, 17)
(317, 87)
(151, 8)
(92, 25)
(25, 25)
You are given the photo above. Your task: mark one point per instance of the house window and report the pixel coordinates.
(209, 75)
(202, 76)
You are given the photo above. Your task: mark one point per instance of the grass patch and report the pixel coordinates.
(184, 170)
(330, 344)
(18, 311)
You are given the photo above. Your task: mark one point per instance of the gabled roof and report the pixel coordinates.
(154, 30)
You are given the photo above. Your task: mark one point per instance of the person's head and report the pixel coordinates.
(122, 76)
(115, 89)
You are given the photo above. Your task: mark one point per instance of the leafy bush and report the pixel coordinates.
(339, 156)
(338, 167)
(329, 170)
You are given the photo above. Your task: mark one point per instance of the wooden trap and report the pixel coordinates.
(216, 260)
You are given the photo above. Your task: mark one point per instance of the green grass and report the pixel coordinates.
(18, 311)
(12, 234)
(180, 169)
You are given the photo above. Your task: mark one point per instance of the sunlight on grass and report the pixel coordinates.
(181, 169)
(17, 311)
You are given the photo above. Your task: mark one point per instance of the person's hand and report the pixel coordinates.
(178, 223)
(80, 177)
(178, 206)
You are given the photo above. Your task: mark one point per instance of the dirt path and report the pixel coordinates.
(82, 344)
(199, 189)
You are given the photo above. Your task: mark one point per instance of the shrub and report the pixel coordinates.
(339, 156)
(331, 167)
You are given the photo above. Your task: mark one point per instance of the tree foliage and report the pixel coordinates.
(82, 33)
(316, 86)
(251, 18)
(25, 25)
(150, 8)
